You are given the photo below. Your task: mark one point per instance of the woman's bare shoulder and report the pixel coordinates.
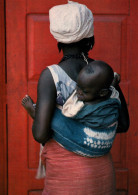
(46, 83)
(45, 75)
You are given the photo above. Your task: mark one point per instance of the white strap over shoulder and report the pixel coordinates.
(53, 71)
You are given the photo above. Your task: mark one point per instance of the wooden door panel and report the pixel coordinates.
(98, 6)
(3, 104)
(110, 30)
(122, 179)
(118, 151)
(121, 192)
(41, 46)
(33, 147)
(37, 192)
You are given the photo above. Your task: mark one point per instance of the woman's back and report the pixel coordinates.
(73, 66)
(71, 174)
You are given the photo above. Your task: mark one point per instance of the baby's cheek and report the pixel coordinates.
(81, 98)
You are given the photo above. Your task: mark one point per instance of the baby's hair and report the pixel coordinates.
(88, 69)
(108, 74)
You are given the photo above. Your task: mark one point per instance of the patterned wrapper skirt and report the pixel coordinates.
(70, 174)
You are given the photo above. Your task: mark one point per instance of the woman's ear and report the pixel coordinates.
(59, 47)
(103, 92)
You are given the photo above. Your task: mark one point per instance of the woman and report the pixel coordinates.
(66, 172)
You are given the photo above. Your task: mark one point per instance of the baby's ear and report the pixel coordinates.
(104, 92)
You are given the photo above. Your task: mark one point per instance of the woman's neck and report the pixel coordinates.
(74, 53)
(71, 51)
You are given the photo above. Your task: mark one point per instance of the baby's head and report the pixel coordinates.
(93, 81)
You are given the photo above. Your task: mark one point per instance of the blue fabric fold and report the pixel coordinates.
(99, 115)
(78, 138)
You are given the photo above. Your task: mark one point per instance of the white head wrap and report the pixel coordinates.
(71, 22)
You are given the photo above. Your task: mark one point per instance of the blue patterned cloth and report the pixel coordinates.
(78, 138)
(100, 115)
(93, 141)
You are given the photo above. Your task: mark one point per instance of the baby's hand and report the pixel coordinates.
(116, 79)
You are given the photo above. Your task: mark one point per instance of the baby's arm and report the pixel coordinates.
(28, 103)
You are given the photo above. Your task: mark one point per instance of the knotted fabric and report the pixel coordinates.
(71, 22)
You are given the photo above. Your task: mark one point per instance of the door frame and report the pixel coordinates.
(3, 105)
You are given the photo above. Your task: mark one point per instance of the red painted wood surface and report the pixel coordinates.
(30, 48)
(3, 132)
(132, 137)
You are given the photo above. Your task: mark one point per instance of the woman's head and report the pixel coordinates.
(71, 23)
(85, 45)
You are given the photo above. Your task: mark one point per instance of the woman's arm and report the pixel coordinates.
(46, 101)
(123, 121)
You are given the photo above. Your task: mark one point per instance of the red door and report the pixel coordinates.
(30, 48)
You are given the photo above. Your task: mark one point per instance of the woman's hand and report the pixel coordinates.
(116, 79)
(123, 120)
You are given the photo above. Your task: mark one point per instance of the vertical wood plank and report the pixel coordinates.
(132, 153)
(16, 89)
(3, 133)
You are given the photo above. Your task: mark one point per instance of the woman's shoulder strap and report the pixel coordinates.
(54, 69)
(59, 74)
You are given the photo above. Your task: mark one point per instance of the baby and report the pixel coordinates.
(93, 86)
